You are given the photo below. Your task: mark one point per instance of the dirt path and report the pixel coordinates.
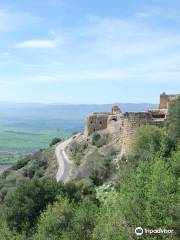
(64, 164)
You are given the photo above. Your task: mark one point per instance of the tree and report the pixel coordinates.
(111, 224)
(173, 120)
(56, 221)
(24, 205)
(67, 221)
(84, 220)
(161, 197)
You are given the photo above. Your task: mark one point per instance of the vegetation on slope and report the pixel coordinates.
(146, 194)
(42, 164)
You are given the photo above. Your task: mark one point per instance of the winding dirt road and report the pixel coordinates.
(64, 164)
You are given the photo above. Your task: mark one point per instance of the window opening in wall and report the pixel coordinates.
(114, 119)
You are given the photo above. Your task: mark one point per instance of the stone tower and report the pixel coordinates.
(115, 110)
(165, 100)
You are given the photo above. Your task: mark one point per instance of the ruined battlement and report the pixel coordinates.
(98, 120)
(165, 100)
(125, 124)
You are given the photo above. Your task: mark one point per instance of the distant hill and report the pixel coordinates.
(66, 116)
(63, 111)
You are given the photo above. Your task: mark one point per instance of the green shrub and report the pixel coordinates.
(22, 162)
(148, 139)
(54, 141)
(79, 154)
(3, 193)
(24, 205)
(55, 221)
(98, 176)
(98, 140)
(66, 220)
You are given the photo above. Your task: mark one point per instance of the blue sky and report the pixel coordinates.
(77, 51)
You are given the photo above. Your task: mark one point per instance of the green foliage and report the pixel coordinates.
(24, 205)
(84, 220)
(99, 176)
(173, 121)
(148, 139)
(111, 224)
(98, 140)
(35, 167)
(54, 222)
(22, 162)
(76, 191)
(65, 220)
(96, 177)
(54, 141)
(79, 154)
(146, 194)
(7, 234)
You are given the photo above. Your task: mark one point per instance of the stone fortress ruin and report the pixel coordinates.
(124, 124)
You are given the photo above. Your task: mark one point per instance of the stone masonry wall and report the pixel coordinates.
(123, 125)
(132, 121)
(95, 122)
(165, 100)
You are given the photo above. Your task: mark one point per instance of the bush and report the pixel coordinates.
(29, 171)
(35, 168)
(98, 140)
(148, 139)
(96, 177)
(76, 191)
(24, 205)
(3, 193)
(22, 162)
(54, 141)
(55, 221)
(99, 175)
(65, 220)
(79, 154)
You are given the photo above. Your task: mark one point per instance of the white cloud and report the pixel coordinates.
(37, 44)
(42, 43)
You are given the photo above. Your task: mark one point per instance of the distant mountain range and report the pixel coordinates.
(38, 115)
(64, 110)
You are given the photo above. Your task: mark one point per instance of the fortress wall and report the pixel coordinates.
(132, 121)
(95, 122)
(114, 123)
(122, 125)
(165, 100)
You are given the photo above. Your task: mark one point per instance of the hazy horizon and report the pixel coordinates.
(62, 103)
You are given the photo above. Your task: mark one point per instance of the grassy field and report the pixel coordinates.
(17, 142)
